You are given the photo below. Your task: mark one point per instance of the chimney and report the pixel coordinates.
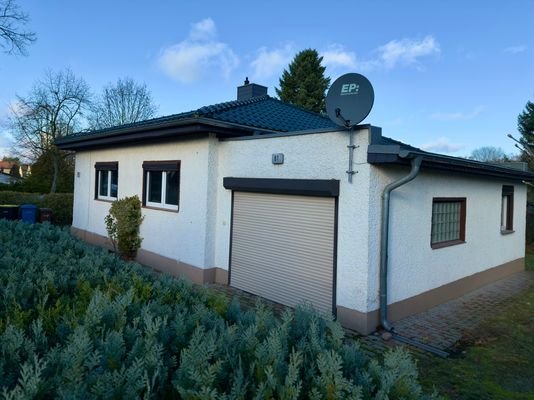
(250, 90)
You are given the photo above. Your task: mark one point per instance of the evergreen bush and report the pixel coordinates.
(77, 322)
(123, 223)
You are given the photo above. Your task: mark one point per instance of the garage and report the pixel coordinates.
(283, 245)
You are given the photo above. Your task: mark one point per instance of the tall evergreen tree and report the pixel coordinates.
(525, 126)
(304, 83)
(525, 122)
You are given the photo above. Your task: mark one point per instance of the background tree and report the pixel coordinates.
(525, 122)
(122, 103)
(53, 109)
(304, 83)
(13, 37)
(15, 170)
(525, 126)
(40, 180)
(525, 142)
(11, 159)
(489, 154)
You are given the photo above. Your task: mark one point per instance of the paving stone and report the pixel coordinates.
(441, 326)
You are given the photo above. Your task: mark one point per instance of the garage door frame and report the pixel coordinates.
(302, 187)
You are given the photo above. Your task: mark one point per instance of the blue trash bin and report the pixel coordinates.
(28, 213)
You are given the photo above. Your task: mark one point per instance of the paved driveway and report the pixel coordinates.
(444, 325)
(441, 326)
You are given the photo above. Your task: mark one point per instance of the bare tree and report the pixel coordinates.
(53, 109)
(123, 103)
(489, 154)
(13, 37)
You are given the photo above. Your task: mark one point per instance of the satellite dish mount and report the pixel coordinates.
(348, 102)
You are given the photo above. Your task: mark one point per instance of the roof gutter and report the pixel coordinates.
(395, 154)
(157, 130)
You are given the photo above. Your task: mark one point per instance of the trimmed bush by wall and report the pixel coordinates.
(60, 203)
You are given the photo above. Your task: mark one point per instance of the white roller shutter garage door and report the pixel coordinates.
(283, 248)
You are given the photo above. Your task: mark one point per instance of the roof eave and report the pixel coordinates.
(159, 131)
(395, 154)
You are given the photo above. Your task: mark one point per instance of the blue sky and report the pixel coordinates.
(448, 76)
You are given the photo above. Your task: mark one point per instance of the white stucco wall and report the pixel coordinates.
(199, 234)
(313, 156)
(178, 235)
(413, 265)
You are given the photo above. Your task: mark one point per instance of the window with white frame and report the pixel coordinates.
(161, 184)
(448, 222)
(106, 180)
(507, 209)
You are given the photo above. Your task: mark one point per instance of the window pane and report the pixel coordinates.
(103, 183)
(504, 209)
(446, 219)
(114, 183)
(154, 186)
(171, 188)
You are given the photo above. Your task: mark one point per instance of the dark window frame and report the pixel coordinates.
(463, 213)
(508, 193)
(109, 167)
(163, 166)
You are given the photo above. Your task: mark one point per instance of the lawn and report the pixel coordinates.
(497, 361)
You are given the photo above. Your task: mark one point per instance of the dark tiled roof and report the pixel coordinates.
(263, 113)
(267, 113)
(388, 141)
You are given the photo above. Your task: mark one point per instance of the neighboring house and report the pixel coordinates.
(255, 193)
(26, 170)
(15, 169)
(8, 179)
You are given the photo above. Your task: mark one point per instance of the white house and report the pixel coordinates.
(270, 198)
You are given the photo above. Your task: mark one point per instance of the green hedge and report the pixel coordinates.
(60, 203)
(77, 322)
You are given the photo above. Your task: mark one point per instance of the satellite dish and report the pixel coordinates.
(350, 99)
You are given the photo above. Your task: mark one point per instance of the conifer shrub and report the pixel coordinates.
(77, 322)
(123, 223)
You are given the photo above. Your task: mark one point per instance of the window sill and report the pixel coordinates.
(106, 200)
(506, 232)
(446, 244)
(161, 209)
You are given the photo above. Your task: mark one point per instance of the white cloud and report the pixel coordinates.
(458, 116)
(203, 30)
(407, 51)
(516, 49)
(442, 145)
(394, 53)
(271, 62)
(336, 56)
(192, 58)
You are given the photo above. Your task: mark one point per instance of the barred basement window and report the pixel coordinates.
(161, 184)
(448, 222)
(106, 180)
(507, 209)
